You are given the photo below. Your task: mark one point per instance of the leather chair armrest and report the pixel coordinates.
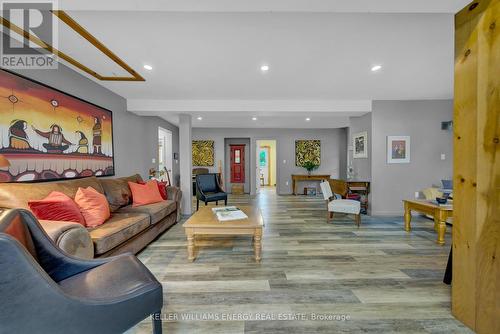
(23, 276)
(72, 238)
(199, 192)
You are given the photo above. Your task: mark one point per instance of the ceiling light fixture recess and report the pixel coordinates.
(254, 118)
(148, 67)
(264, 68)
(376, 68)
(308, 119)
(199, 118)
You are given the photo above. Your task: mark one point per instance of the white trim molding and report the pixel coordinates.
(140, 106)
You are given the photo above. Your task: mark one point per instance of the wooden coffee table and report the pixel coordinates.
(204, 222)
(440, 214)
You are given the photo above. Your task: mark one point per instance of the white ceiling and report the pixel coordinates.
(317, 51)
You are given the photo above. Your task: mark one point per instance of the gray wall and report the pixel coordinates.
(331, 142)
(227, 157)
(362, 166)
(343, 142)
(391, 183)
(135, 137)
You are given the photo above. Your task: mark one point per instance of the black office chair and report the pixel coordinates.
(208, 189)
(44, 290)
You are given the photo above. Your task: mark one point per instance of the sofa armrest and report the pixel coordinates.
(175, 194)
(72, 238)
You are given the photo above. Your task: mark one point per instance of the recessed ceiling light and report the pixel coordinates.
(199, 118)
(148, 67)
(376, 68)
(308, 119)
(254, 118)
(264, 68)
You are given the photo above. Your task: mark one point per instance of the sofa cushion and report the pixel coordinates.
(17, 195)
(210, 197)
(118, 229)
(157, 211)
(118, 192)
(344, 206)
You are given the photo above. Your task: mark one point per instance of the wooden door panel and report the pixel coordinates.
(237, 158)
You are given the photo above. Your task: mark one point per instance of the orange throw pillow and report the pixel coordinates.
(93, 206)
(143, 194)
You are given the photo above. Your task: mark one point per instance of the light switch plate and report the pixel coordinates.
(443, 156)
(153, 160)
(284, 161)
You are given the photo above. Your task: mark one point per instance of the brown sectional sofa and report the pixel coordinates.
(129, 229)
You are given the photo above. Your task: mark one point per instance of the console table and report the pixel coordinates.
(301, 177)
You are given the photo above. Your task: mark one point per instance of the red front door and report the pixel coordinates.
(237, 163)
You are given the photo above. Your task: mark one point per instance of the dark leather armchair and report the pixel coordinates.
(208, 189)
(44, 290)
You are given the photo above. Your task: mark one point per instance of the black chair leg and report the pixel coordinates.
(156, 317)
(216, 202)
(197, 204)
(225, 202)
(206, 203)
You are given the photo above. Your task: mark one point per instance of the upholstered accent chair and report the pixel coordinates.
(44, 290)
(198, 171)
(335, 203)
(208, 189)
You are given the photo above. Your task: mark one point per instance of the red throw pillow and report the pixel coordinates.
(93, 206)
(57, 206)
(162, 187)
(143, 194)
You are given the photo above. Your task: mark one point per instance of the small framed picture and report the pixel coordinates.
(398, 149)
(360, 145)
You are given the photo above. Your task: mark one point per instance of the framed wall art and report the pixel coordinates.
(46, 134)
(307, 150)
(203, 153)
(360, 145)
(398, 149)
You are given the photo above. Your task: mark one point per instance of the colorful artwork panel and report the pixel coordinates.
(48, 135)
(307, 150)
(203, 152)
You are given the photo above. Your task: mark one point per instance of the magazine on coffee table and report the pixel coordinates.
(228, 213)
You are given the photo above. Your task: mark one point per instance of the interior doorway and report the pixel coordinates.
(266, 165)
(165, 156)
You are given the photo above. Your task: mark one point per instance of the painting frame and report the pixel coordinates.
(307, 150)
(203, 153)
(398, 149)
(111, 170)
(360, 145)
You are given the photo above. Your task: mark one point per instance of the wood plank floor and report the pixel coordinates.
(314, 277)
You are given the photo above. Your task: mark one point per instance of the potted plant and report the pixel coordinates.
(310, 166)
